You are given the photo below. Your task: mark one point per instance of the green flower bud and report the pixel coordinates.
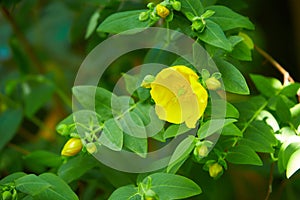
(72, 147)
(150, 195)
(150, 5)
(198, 25)
(153, 16)
(6, 195)
(212, 83)
(215, 170)
(147, 81)
(62, 129)
(176, 5)
(201, 151)
(14, 195)
(143, 16)
(91, 148)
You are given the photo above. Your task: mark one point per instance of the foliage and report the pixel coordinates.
(258, 128)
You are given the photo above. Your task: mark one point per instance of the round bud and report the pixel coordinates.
(212, 83)
(162, 11)
(91, 148)
(176, 5)
(215, 170)
(143, 16)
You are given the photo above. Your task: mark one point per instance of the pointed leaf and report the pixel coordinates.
(214, 35)
(232, 78)
(123, 21)
(228, 19)
(242, 154)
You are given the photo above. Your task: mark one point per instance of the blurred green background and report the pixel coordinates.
(42, 44)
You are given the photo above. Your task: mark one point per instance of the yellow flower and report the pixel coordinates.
(162, 11)
(178, 95)
(72, 147)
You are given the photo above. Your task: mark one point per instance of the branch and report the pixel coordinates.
(270, 181)
(286, 76)
(19, 34)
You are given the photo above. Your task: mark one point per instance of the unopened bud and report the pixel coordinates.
(143, 16)
(147, 81)
(91, 148)
(202, 151)
(215, 170)
(72, 147)
(150, 195)
(162, 11)
(198, 25)
(212, 83)
(176, 5)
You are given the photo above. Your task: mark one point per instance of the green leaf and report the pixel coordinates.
(36, 95)
(137, 145)
(112, 135)
(242, 154)
(146, 112)
(124, 21)
(171, 186)
(128, 192)
(175, 130)
(76, 167)
(92, 24)
(282, 110)
(95, 98)
(232, 130)
(193, 6)
(31, 184)
(59, 190)
(266, 86)
(44, 158)
(229, 19)
(216, 110)
(260, 137)
(133, 125)
(290, 90)
(293, 164)
(212, 126)
(12, 177)
(130, 82)
(241, 52)
(232, 78)
(10, 121)
(269, 119)
(181, 152)
(287, 149)
(250, 109)
(214, 35)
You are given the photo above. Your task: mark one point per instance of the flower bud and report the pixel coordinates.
(215, 170)
(151, 5)
(198, 25)
(72, 147)
(212, 83)
(6, 195)
(143, 16)
(176, 5)
(91, 148)
(150, 195)
(162, 11)
(147, 81)
(201, 151)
